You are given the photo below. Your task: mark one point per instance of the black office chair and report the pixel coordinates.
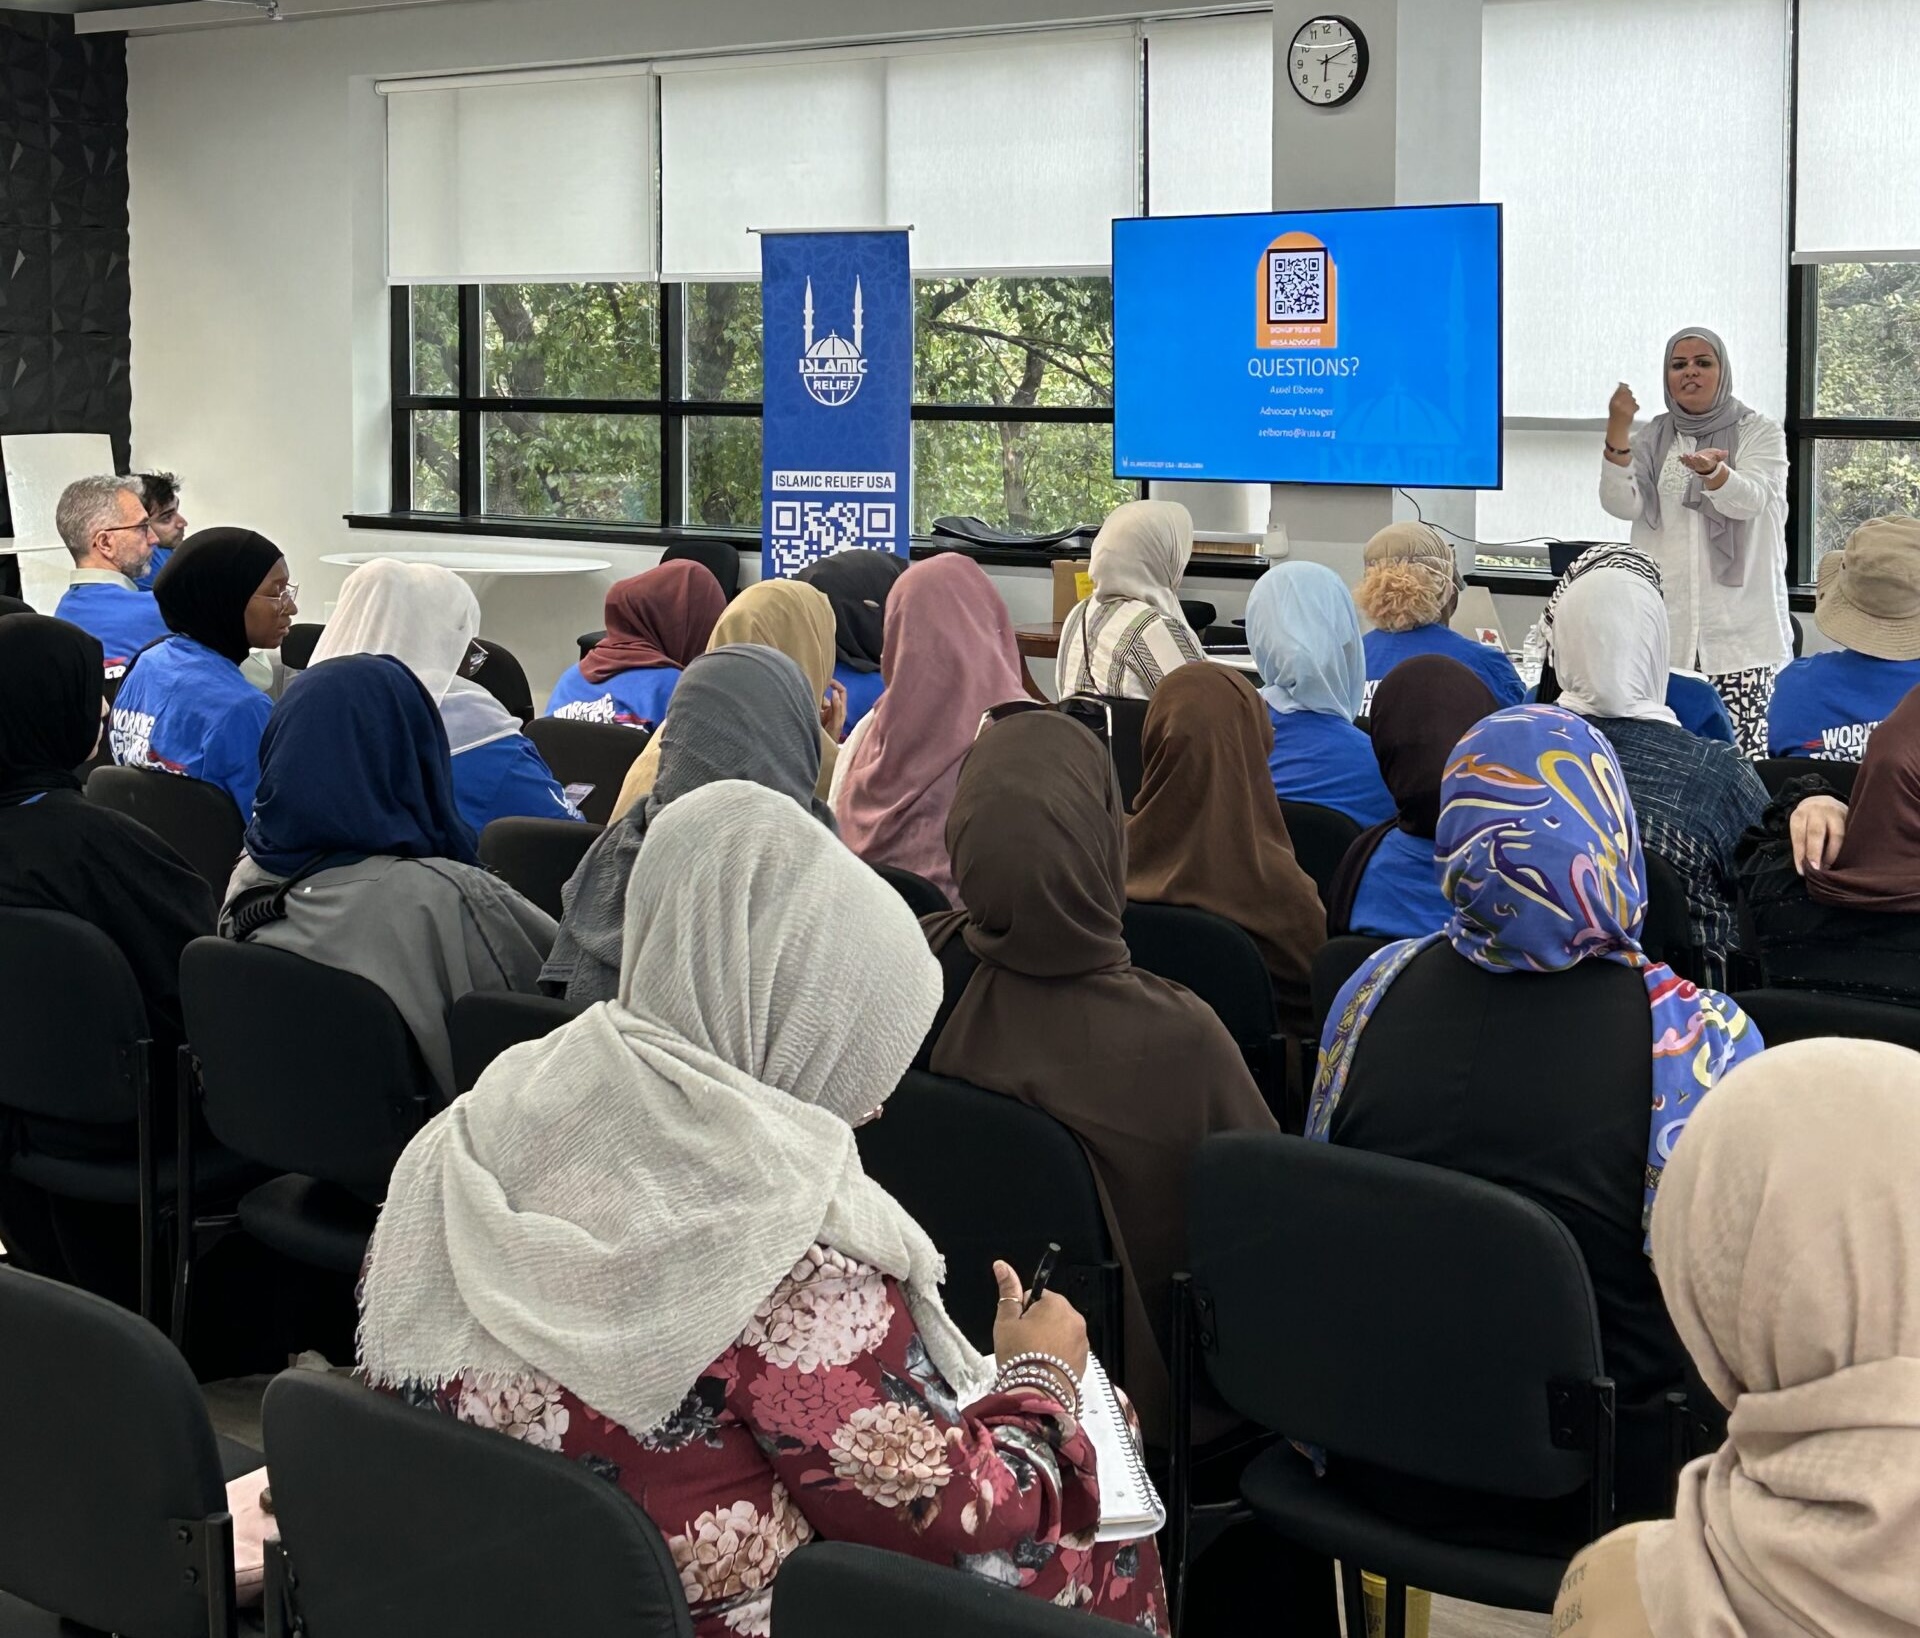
(721, 558)
(1667, 933)
(484, 1023)
(296, 648)
(598, 754)
(1321, 837)
(501, 675)
(1436, 1328)
(1218, 960)
(537, 857)
(833, 1588)
(1199, 615)
(923, 898)
(1333, 964)
(305, 1069)
(114, 1485)
(1801, 1015)
(197, 820)
(1010, 1179)
(1129, 718)
(399, 1522)
(1777, 772)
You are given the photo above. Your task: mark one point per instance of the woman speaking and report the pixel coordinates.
(1705, 487)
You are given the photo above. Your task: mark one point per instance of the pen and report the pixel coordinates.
(1037, 1286)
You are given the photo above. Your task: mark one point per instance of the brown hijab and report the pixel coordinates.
(1139, 1070)
(1879, 863)
(1207, 833)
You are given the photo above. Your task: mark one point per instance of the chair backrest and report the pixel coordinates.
(197, 820)
(296, 648)
(833, 1588)
(1667, 933)
(589, 640)
(1321, 837)
(72, 1019)
(1009, 1179)
(536, 857)
(1333, 964)
(484, 1023)
(719, 556)
(109, 1460)
(305, 1067)
(400, 1522)
(1215, 958)
(1199, 615)
(923, 898)
(504, 677)
(1777, 772)
(1418, 1319)
(589, 753)
(1129, 760)
(1801, 1015)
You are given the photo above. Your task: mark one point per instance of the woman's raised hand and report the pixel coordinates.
(1051, 1326)
(1622, 407)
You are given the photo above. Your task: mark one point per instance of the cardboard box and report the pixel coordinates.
(1071, 584)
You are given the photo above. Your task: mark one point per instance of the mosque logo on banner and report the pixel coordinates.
(832, 368)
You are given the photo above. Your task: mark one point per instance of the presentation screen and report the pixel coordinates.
(1338, 346)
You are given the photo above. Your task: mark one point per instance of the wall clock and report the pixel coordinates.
(1327, 61)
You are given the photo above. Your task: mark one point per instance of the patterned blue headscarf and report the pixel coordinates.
(1538, 853)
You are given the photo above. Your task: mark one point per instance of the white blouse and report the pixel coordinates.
(1718, 629)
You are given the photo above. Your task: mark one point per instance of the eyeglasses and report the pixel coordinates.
(1090, 711)
(285, 596)
(145, 525)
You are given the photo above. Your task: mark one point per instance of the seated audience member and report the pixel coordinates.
(1389, 882)
(1305, 638)
(1410, 590)
(1207, 833)
(796, 620)
(657, 621)
(1055, 1014)
(186, 708)
(857, 584)
(1131, 631)
(104, 524)
(1786, 1235)
(1842, 917)
(427, 617)
(160, 494)
(16, 605)
(1828, 705)
(1529, 1042)
(357, 857)
(743, 712)
(951, 657)
(1694, 797)
(718, 1310)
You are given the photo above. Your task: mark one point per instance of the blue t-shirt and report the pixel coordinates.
(633, 699)
(1320, 758)
(124, 621)
(1399, 894)
(154, 565)
(187, 710)
(864, 689)
(1696, 702)
(507, 778)
(1827, 705)
(1386, 649)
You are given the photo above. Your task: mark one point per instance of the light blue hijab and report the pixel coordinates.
(1305, 637)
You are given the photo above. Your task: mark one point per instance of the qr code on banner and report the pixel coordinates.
(803, 532)
(1296, 287)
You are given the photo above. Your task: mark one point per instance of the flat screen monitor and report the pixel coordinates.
(1336, 346)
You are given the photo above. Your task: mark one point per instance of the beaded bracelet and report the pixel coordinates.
(1045, 1383)
(1054, 1360)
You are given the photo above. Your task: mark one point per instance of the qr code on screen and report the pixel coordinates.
(1296, 287)
(803, 532)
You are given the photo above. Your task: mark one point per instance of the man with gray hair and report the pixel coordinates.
(105, 526)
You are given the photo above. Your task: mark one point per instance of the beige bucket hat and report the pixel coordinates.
(1869, 592)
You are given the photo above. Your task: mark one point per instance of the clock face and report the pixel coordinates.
(1327, 61)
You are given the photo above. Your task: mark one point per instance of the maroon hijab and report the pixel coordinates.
(662, 617)
(1879, 863)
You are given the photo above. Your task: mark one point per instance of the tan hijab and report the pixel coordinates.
(782, 614)
(1206, 831)
(1139, 1070)
(1787, 1239)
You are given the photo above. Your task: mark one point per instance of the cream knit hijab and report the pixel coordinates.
(609, 1205)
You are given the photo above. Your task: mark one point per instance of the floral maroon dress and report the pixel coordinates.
(827, 1418)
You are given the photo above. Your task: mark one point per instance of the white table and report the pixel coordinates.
(481, 569)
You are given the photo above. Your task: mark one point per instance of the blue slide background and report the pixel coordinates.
(1418, 303)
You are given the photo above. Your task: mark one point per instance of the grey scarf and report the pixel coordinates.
(1713, 427)
(739, 712)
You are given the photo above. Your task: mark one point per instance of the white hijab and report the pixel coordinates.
(611, 1204)
(1609, 642)
(1787, 1238)
(426, 617)
(1140, 555)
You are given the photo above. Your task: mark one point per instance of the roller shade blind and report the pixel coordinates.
(521, 177)
(1210, 115)
(1859, 135)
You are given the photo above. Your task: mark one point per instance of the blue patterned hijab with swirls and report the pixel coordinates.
(1539, 855)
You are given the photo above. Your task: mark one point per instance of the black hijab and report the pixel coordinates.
(13, 605)
(51, 685)
(856, 583)
(204, 590)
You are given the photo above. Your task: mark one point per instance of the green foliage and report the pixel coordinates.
(1865, 362)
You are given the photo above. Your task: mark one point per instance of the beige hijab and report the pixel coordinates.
(1787, 1239)
(784, 614)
